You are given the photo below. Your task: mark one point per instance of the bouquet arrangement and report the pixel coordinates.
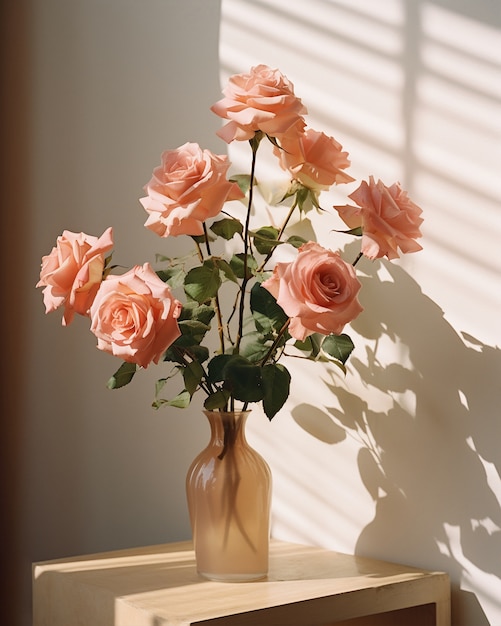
(231, 285)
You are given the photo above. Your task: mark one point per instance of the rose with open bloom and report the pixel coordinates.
(314, 159)
(262, 100)
(188, 187)
(389, 219)
(134, 316)
(73, 271)
(318, 291)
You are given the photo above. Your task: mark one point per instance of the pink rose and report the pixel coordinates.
(134, 316)
(388, 218)
(318, 291)
(262, 100)
(188, 187)
(73, 271)
(314, 159)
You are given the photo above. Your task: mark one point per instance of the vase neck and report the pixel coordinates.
(227, 428)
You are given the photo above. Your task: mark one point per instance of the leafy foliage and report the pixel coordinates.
(244, 368)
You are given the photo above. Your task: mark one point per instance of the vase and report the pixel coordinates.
(228, 489)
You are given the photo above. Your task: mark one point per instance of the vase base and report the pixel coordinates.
(234, 578)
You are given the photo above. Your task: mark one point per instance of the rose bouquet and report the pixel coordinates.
(258, 307)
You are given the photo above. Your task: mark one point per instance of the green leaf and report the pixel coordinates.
(194, 323)
(227, 227)
(227, 270)
(200, 239)
(202, 283)
(296, 241)
(217, 400)
(194, 329)
(276, 385)
(338, 347)
(266, 239)
(199, 312)
(173, 276)
(311, 344)
(181, 401)
(237, 265)
(268, 315)
(123, 376)
(160, 384)
(192, 375)
(244, 381)
(255, 346)
(186, 346)
(243, 181)
(241, 378)
(215, 367)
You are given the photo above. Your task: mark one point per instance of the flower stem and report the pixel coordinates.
(217, 306)
(254, 143)
(232, 434)
(360, 255)
(280, 233)
(274, 346)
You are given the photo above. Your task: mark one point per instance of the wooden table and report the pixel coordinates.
(159, 586)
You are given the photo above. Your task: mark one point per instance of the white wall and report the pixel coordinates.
(114, 83)
(401, 460)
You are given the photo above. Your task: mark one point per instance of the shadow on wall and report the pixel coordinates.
(427, 460)
(412, 90)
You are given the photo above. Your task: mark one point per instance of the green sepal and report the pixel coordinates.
(358, 231)
(107, 267)
(274, 141)
(255, 140)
